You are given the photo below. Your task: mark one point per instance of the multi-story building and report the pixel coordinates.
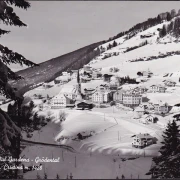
(100, 97)
(131, 100)
(118, 95)
(61, 101)
(142, 140)
(157, 88)
(161, 108)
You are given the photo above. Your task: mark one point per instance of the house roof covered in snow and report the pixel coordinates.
(141, 136)
(139, 109)
(68, 89)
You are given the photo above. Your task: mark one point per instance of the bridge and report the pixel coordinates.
(25, 143)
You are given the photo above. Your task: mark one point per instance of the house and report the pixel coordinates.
(149, 118)
(140, 90)
(80, 136)
(84, 105)
(85, 79)
(142, 140)
(61, 101)
(101, 96)
(138, 112)
(88, 93)
(107, 77)
(96, 74)
(74, 74)
(48, 84)
(170, 83)
(131, 100)
(66, 74)
(70, 90)
(147, 73)
(62, 79)
(87, 69)
(161, 108)
(147, 106)
(157, 88)
(113, 87)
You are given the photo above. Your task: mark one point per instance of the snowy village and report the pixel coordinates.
(106, 119)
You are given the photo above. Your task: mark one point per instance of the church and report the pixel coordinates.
(69, 94)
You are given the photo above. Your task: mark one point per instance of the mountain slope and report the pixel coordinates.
(146, 49)
(52, 68)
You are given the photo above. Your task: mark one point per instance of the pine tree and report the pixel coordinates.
(166, 165)
(159, 19)
(10, 133)
(169, 16)
(163, 32)
(114, 44)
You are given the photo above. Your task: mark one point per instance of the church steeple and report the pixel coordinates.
(79, 83)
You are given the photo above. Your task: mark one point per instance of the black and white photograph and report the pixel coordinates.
(89, 89)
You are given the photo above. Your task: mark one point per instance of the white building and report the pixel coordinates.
(74, 74)
(131, 100)
(61, 101)
(138, 112)
(142, 140)
(101, 96)
(157, 88)
(70, 91)
(161, 107)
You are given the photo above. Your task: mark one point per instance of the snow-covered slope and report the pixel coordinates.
(160, 55)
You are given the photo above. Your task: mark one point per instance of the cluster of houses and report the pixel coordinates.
(110, 90)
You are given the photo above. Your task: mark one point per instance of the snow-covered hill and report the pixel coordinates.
(160, 55)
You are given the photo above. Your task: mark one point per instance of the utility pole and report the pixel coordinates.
(75, 161)
(62, 156)
(144, 152)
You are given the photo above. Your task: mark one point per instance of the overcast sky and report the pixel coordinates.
(56, 28)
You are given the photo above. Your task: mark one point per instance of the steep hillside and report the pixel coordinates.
(147, 49)
(49, 70)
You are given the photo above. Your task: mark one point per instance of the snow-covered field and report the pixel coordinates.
(96, 161)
